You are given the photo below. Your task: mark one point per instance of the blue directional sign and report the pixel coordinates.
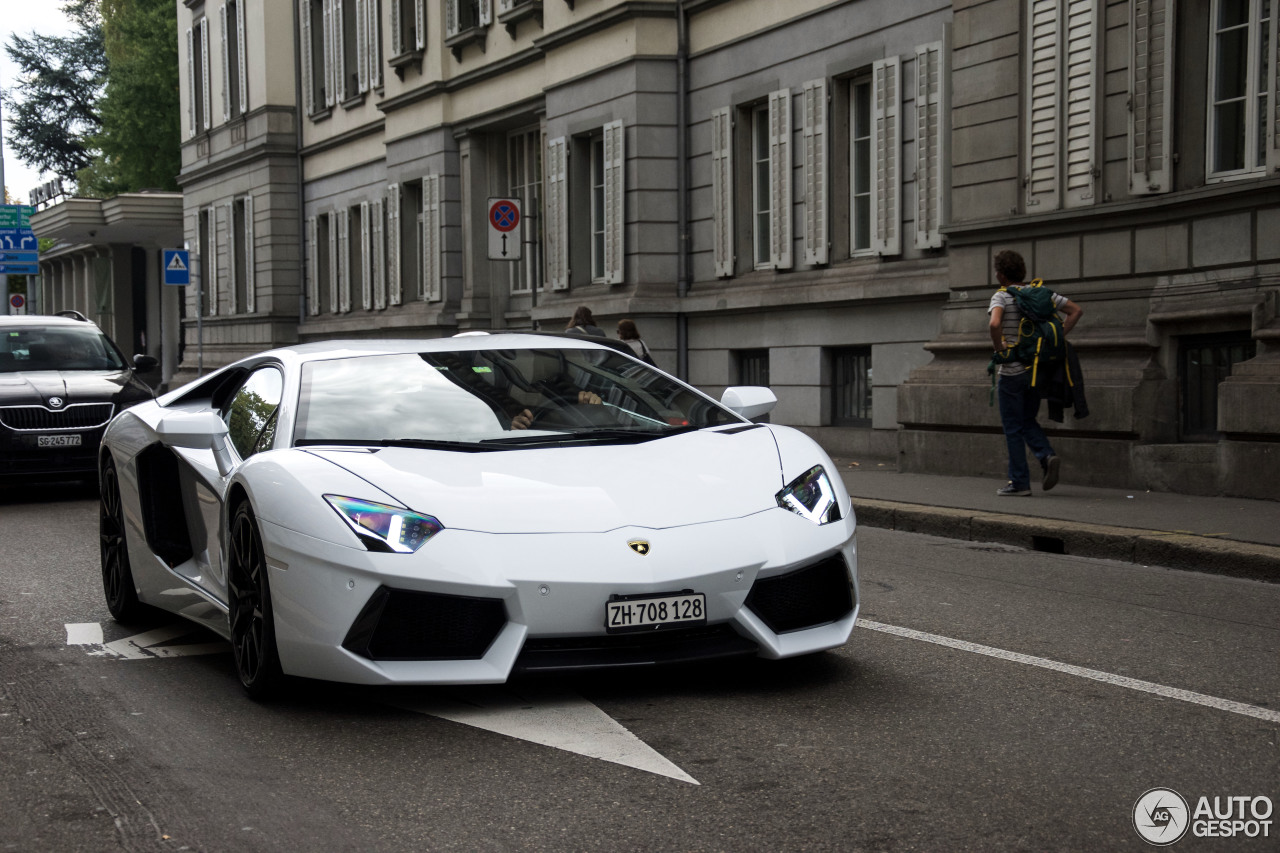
(177, 266)
(19, 269)
(21, 239)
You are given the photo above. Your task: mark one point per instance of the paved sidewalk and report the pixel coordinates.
(1233, 536)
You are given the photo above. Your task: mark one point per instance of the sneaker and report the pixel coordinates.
(1050, 465)
(1011, 491)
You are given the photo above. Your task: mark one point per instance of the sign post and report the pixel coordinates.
(504, 234)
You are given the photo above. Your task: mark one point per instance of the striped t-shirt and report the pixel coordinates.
(1009, 324)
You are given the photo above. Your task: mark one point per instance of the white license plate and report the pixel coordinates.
(58, 441)
(636, 614)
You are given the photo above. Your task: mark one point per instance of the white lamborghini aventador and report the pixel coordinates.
(456, 510)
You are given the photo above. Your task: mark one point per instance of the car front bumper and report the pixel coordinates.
(550, 593)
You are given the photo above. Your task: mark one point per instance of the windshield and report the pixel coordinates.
(491, 399)
(31, 348)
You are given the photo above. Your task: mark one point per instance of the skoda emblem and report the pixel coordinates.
(640, 546)
(56, 402)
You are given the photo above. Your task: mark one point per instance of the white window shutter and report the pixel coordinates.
(308, 71)
(1151, 28)
(335, 272)
(781, 212)
(1082, 46)
(614, 202)
(506, 6)
(722, 190)
(366, 257)
(211, 263)
(330, 62)
(242, 51)
(398, 45)
(420, 24)
(1044, 89)
(362, 45)
(313, 267)
(339, 52)
(930, 78)
(250, 264)
(344, 260)
(886, 147)
(451, 17)
(233, 273)
(377, 235)
(1272, 127)
(814, 122)
(204, 67)
(192, 94)
(226, 63)
(557, 216)
(394, 286)
(485, 13)
(374, 29)
(432, 272)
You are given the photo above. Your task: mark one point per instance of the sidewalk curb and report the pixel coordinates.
(1147, 547)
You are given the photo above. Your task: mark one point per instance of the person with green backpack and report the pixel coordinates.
(1028, 325)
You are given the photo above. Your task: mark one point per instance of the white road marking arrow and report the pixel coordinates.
(140, 646)
(558, 720)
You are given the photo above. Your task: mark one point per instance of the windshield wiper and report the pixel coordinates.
(422, 443)
(583, 436)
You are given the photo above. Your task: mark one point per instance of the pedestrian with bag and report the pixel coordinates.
(1028, 326)
(584, 324)
(629, 334)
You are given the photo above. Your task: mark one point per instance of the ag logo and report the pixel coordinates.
(55, 402)
(1161, 817)
(640, 546)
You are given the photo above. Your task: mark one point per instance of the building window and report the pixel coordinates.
(408, 26)
(463, 15)
(760, 176)
(585, 211)
(1204, 361)
(208, 243)
(234, 96)
(753, 366)
(597, 208)
(860, 165)
(198, 106)
(1242, 39)
(851, 387)
(524, 173)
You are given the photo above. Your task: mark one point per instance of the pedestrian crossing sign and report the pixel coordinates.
(177, 266)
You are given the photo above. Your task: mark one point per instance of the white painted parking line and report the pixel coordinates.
(1069, 669)
(558, 720)
(144, 646)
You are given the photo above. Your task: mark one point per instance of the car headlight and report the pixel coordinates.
(811, 496)
(385, 528)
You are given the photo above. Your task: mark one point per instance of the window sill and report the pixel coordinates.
(522, 12)
(404, 60)
(354, 101)
(472, 35)
(321, 114)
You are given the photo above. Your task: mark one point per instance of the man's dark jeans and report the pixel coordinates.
(1019, 405)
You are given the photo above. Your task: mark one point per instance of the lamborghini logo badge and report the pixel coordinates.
(640, 546)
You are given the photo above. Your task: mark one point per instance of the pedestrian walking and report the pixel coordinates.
(1018, 393)
(584, 324)
(630, 335)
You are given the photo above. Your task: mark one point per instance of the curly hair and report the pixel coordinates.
(1010, 263)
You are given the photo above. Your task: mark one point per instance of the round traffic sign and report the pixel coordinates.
(17, 300)
(504, 215)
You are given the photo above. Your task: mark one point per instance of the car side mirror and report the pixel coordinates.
(200, 431)
(750, 401)
(145, 363)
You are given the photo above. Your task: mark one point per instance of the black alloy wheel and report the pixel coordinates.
(117, 576)
(253, 631)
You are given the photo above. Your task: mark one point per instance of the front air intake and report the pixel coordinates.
(400, 624)
(804, 598)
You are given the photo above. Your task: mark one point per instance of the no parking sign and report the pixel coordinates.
(17, 304)
(504, 229)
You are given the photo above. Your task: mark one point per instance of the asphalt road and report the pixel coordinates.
(972, 733)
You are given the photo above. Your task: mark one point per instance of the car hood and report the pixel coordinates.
(684, 479)
(73, 386)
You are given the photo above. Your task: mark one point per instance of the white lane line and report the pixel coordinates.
(558, 720)
(84, 634)
(1094, 674)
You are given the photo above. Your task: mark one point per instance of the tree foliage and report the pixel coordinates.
(139, 138)
(52, 110)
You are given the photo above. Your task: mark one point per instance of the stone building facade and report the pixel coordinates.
(805, 195)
